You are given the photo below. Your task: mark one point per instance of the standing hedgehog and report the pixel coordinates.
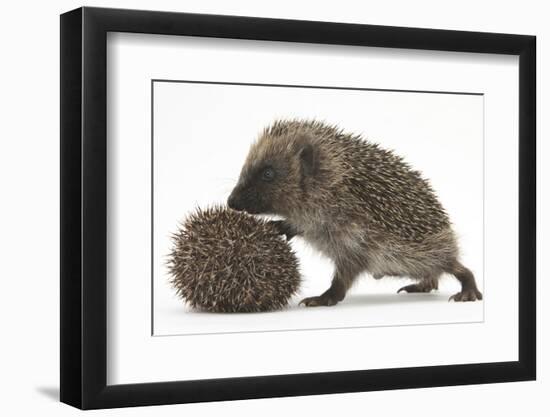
(358, 204)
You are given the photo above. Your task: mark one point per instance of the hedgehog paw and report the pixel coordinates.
(415, 288)
(284, 228)
(320, 300)
(467, 295)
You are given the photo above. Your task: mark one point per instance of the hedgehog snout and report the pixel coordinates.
(235, 202)
(246, 199)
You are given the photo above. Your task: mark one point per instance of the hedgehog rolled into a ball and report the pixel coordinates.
(228, 261)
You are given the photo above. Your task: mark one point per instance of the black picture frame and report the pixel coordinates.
(84, 209)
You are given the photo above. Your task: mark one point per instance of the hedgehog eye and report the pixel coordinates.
(268, 174)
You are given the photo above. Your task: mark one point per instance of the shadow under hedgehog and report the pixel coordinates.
(360, 205)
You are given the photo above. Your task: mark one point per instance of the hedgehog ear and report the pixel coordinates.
(308, 159)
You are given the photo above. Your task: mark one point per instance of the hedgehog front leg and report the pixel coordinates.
(342, 280)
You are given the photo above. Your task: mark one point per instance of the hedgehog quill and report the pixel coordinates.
(360, 205)
(224, 261)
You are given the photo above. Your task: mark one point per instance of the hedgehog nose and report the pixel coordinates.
(234, 203)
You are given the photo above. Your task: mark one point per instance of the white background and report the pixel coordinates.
(30, 208)
(202, 133)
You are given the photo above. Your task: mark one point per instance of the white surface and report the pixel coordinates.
(202, 133)
(133, 60)
(30, 207)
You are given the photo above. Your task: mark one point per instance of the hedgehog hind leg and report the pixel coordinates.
(423, 285)
(469, 291)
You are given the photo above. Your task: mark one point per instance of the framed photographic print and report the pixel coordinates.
(257, 207)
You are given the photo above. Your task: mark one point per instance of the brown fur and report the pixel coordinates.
(357, 203)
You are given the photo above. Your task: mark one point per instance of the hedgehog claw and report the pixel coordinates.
(284, 228)
(467, 295)
(317, 301)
